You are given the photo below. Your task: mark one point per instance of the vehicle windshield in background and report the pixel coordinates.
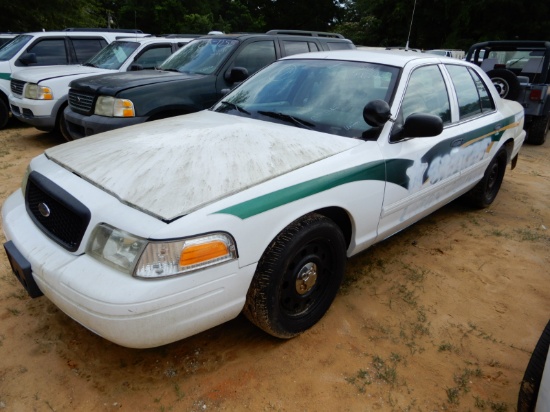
(516, 59)
(200, 56)
(10, 49)
(113, 55)
(322, 95)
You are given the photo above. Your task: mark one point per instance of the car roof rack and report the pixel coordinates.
(103, 29)
(306, 33)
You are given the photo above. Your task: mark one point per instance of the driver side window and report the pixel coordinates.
(256, 55)
(426, 93)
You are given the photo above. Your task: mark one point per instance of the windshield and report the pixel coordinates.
(517, 59)
(10, 49)
(201, 56)
(113, 55)
(321, 95)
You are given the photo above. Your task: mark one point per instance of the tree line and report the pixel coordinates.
(425, 24)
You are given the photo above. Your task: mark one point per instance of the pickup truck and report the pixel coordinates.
(192, 79)
(39, 94)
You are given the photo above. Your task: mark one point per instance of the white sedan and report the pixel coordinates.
(152, 233)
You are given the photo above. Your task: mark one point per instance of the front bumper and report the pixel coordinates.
(41, 114)
(125, 310)
(80, 126)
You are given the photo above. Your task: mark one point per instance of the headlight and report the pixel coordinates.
(113, 107)
(158, 259)
(36, 92)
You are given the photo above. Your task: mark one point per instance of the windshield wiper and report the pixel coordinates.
(89, 65)
(235, 106)
(291, 119)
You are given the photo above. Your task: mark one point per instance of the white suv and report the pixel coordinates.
(39, 94)
(71, 46)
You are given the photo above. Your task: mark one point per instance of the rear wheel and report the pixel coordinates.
(485, 192)
(4, 114)
(298, 277)
(506, 83)
(537, 131)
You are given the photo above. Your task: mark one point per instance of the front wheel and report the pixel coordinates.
(297, 277)
(485, 192)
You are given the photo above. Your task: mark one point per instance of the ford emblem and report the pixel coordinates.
(44, 209)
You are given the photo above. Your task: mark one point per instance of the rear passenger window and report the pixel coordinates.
(295, 47)
(49, 52)
(85, 49)
(473, 97)
(339, 45)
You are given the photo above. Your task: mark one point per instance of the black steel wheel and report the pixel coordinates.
(536, 135)
(530, 384)
(4, 114)
(485, 192)
(298, 277)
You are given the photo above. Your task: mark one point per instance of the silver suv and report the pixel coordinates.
(71, 46)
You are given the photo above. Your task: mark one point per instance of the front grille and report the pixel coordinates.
(81, 102)
(58, 214)
(17, 87)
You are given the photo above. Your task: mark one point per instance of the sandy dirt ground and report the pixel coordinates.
(441, 317)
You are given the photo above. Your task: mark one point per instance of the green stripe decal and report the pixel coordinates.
(393, 171)
(252, 207)
(5, 76)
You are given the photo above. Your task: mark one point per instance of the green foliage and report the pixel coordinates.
(436, 23)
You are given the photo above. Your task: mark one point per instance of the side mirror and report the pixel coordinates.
(237, 74)
(134, 67)
(419, 125)
(28, 58)
(376, 113)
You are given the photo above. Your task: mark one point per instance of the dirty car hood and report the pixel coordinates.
(37, 74)
(172, 167)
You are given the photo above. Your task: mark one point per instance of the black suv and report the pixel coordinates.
(192, 79)
(520, 70)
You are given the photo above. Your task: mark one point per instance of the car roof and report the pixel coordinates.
(512, 44)
(398, 58)
(280, 33)
(145, 40)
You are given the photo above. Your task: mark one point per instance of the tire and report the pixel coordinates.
(297, 277)
(4, 114)
(486, 190)
(530, 384)
(506, 83)
(61, 124)
(538, 129)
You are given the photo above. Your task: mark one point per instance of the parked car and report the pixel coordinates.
(152, 233)
(39, 94)
(457, 54)
(5, 37)
(71, 46)
(192, 79)
(520, 70)
(534, 393)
